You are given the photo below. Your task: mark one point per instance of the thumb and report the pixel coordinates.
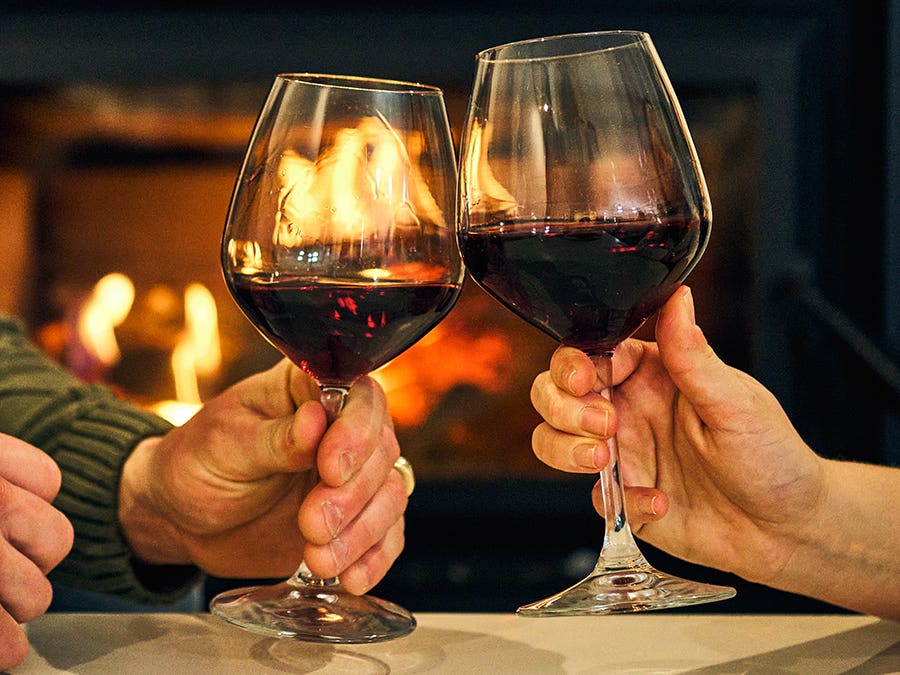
(293, 442)
(712, 386)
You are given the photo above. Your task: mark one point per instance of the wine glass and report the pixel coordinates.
(582, 208)
(339, 246)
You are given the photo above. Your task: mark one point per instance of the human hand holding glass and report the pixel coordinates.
(337, 248)
(582, 208)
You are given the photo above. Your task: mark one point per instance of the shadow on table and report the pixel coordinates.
(427, 650)
(873, 649)
(134, 644)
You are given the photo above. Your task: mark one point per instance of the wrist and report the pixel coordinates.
(847, 554)
(152, 537)
(802, 540)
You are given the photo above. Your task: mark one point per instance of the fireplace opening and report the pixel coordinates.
(133, 184)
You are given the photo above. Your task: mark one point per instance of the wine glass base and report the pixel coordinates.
(623, 591)
(313, 613)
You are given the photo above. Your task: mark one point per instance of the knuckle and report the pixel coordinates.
(397, 493)
(63, 537)
(32, 591)
(5, 494)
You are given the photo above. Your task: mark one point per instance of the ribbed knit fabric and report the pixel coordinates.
(90, 433)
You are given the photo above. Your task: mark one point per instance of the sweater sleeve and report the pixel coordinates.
(89, 432)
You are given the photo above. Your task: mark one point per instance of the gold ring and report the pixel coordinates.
(404, 468)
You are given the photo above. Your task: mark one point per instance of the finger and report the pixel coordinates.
(573, 371)
(358, 536)
(643, 504)
(628, 356)
(282, 445)
(587, 415)
(28, 467)
(328, 510)
(362, 427)
(25, 592)
(715, 389)
(371, 567)
(568, 452)
(13, 642)
(33, 527)
(301, 386)
(252, 430)
(278, 391)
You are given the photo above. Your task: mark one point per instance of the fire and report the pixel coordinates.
(197, 351)
(369, 178)
(484, 185)
(105, 309)
(452, 354)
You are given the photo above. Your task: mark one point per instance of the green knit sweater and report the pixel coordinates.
(89, 432)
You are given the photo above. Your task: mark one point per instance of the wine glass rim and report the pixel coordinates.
(360, 82)
(491, 53)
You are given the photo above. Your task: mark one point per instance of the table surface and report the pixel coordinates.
(474, 643)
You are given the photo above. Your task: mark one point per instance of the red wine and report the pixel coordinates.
(589, 284)
(338, 332)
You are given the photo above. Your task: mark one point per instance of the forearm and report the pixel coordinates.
(850, 556)
(89, 433)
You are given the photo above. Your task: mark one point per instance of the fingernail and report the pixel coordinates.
(347, 466)
(653, 505)
(334, 518)
(687, 299)
(595, 420)
(586, 456)
(570, 377)
(339, 551)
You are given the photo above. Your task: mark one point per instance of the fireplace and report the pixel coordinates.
(122, 132)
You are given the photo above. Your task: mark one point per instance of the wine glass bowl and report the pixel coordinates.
(339, 247)
(582, 208)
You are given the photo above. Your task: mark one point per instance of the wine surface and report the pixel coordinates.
(338, 332)
(589, 284)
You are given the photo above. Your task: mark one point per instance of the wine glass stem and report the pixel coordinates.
(619, 547)
(333, 401)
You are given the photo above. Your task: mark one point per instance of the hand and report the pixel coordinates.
(702, 444)
(34, 538)
(228, 490)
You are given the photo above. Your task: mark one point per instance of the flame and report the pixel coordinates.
(486, 191)
(197, 353)
(198, 350)
(246, 256)
(365, 185)
(106, 308)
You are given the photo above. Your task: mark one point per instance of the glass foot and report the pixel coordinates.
(617, 591)
(315, 612)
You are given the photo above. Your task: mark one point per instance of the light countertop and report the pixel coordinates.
(656, 642)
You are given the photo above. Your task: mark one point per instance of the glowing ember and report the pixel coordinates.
(375, 273)
(452, 354)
